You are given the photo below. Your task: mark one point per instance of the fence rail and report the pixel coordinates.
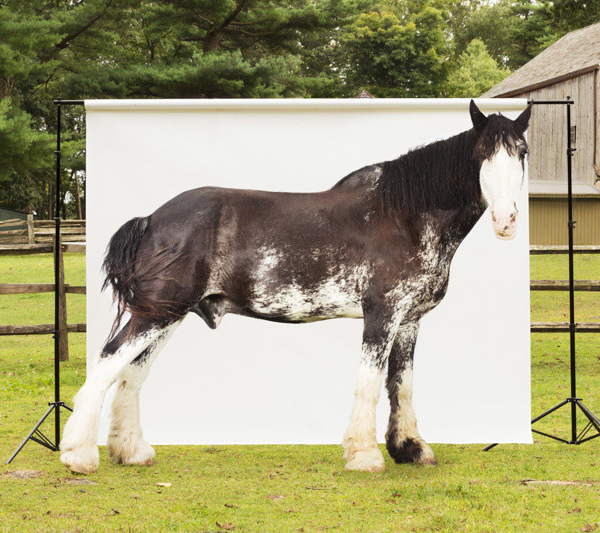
(33, 288)
(30, 231)
(545, 249)
(562, 327)
(563, 285)
(40, 329)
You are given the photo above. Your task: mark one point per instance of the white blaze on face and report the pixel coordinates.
(501, 179)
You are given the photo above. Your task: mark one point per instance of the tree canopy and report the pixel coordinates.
(242, 49)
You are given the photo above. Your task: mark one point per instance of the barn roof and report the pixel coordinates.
(574, 54)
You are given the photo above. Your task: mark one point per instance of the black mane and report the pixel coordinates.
(445, 174)
(440, 175)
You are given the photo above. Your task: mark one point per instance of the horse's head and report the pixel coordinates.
(501, 152)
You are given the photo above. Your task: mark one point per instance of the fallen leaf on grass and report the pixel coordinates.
(164, 484)
(589, 527)
(227, 525)
(576, 510)
(231, 506)
(555, 483)
(275, 496)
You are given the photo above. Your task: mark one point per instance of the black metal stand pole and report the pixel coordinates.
(35, 434)
(575, 402)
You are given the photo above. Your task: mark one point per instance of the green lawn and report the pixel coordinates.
(296, 488)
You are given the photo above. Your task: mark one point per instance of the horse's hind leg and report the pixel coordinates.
(126, 444)
(79, 451)
(403, 441)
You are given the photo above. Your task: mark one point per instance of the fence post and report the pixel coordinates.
(63, 347)
(30, 229)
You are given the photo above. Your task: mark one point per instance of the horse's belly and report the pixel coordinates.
(301, 304)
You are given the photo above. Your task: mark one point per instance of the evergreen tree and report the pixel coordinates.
(475, 73)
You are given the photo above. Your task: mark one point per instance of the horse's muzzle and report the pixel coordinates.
(504, 222)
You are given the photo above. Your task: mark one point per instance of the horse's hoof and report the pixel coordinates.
(367, 461)
(139, 454)
(83, 460)
(411, 450)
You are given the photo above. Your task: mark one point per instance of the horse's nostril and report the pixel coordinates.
(506, 227)
(513, 216)
(493, 217)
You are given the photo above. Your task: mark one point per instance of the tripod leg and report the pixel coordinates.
(564, 402)
(593, 420)
(35, 428)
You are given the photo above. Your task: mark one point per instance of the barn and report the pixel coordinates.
(567, 68)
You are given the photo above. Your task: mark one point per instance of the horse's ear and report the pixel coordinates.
(523, 120)
(477, 117)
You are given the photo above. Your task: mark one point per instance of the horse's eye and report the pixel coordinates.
(523, 152)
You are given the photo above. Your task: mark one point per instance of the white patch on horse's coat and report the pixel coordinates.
(407, 421)
(338, 295)
(79, 451)
(270, 258)
(360, 441)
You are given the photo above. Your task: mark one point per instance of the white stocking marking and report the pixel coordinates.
(360, 442)
(126, 443)
(79, 451)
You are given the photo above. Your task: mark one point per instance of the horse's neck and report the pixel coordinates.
(451, 227)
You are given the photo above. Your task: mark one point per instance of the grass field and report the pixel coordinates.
(296, 488)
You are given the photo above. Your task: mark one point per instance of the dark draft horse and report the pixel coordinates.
(377, 245)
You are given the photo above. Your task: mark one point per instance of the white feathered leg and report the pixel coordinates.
(360, 441)
(79, 451)
(126, 444)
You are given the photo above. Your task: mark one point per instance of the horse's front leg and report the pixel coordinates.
(360, 442)
(402, 438)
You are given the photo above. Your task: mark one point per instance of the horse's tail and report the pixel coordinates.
(119, 266)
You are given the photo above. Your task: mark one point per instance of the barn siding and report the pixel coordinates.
(547, 134)
(548, 161)
(548, 221)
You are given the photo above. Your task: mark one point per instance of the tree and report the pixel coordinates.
(476, 72)
(400, 53)
(140, 48)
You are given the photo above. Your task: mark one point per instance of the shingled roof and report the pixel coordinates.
(574, 54)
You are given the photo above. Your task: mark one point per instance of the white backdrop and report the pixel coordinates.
(252, 381)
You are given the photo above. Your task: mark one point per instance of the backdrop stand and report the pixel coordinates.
(573, 400)
(36, 434)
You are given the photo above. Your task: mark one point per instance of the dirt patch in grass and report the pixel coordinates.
(555, 483)
(23, 474)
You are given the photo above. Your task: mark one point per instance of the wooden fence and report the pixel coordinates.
(31, 288)
(64, 289)
(30, 231)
